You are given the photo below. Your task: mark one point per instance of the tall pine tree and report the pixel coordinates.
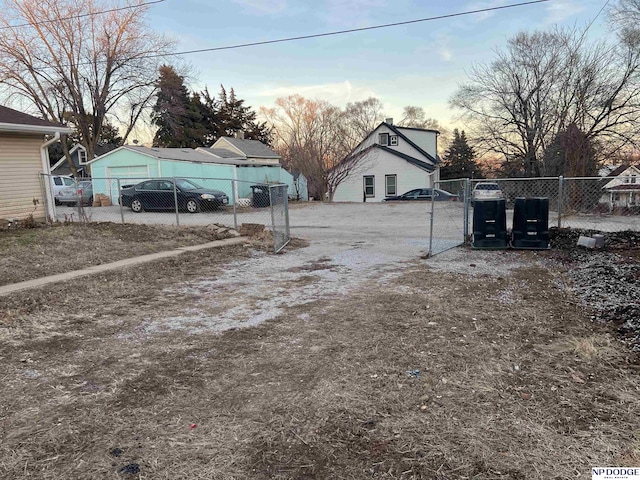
(234, 116)
(177, 114)
(459, 159)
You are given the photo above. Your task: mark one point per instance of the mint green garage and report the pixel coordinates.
(211, 168)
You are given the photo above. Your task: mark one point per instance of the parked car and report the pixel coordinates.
(71, 195)
(59, 183)
(424, 194)
(486, 191)
(158, 194)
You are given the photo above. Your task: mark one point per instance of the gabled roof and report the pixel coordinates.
(227, 157)
(626, 186)
(178, 154)
(221, 152)
(398, 131)
(623, 168)
(413, 161)
(250, 148)
(14, 121)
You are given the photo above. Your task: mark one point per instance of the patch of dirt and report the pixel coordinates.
(425, 375)
(606, 280)
(26, 254)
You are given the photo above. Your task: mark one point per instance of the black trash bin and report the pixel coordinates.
(261, 196)
(530, 224)
(489, 224)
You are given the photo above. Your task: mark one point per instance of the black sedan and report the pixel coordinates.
(424, 194)
(159, 194)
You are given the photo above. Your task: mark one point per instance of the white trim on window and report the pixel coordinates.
(388, 191)
(393, 141)
(372, 187)
(383, 139)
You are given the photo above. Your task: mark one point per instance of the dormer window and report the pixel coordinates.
(82, 157)
(384, 139)
(633, 178)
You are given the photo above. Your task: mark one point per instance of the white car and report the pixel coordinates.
(486, 191)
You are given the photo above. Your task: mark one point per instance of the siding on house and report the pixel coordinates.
(381, 164)
(21, 164)
(402, 147)
(426, 140)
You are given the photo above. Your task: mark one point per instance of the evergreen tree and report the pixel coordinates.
(234, 116)
(571, 154)
(177, 114)
(459, 159)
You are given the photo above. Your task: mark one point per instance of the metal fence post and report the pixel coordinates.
(234, 197)
(273, 220)
(120, 200)
(560, 199)
(433, 203)
(175, 199)
(465, 198)
(286, 210)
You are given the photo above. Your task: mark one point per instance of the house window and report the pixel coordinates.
(384, 139)
(393, 140)
(369, 186)
(390, 182)
(633, 179)
(82, 157)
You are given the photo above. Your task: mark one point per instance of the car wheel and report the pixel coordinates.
(136, 205)
(192, 206)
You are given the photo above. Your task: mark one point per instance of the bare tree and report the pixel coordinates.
(545, 81)
(77, 68)
(307, 136)
(359, 119)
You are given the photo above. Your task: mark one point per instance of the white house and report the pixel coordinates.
(391, 160)
(624, 189)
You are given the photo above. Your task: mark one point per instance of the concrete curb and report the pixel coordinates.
(63, 277)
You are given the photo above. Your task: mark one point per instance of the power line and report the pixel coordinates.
(82, 15)
(353, 30)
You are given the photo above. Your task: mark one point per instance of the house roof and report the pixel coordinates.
(15, 121)
(179, 154)
(252, 148)
(408, 158)
(221, 152)
(625, 187)
(397, 131)
(227, 157)
(618, 170)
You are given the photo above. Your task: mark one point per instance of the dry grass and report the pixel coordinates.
(525, 390)
(26, 254)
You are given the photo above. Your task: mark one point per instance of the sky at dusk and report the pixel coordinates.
(419, 64)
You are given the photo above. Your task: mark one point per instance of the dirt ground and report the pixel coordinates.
(50, 249)
(483, 365)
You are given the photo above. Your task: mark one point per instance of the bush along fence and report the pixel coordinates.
(169, 201)
(605, 204)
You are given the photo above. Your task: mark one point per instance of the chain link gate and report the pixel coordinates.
(279, 216)
(449, 215)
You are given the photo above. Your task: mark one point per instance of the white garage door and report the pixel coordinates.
(137, 173)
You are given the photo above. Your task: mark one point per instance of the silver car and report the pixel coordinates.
(70, 195)
(486, 191)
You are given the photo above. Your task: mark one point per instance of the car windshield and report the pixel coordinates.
(187, 185)
(488, 186)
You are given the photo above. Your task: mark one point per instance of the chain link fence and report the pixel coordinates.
(604, 204)
(169, 201)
